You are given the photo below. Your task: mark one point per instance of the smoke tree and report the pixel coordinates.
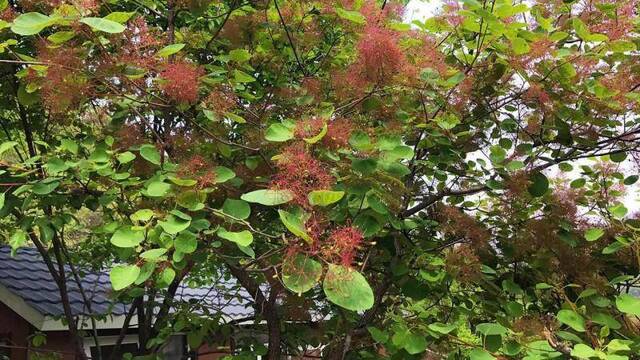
(457, 187)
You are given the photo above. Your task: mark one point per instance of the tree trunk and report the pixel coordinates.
(267, 308)
(273, 326)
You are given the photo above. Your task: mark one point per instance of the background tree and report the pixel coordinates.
(454, 187)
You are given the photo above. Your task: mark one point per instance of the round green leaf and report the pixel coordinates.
(169, 50)
(619, 345)
(295, 225)
(572, 319)
(511, 348)
(142, 215)
(105, 25)
(126, 157)
(378, 335)
(7, 145)
(578, 183)
(368, 224)
(158, 189)
(515, 165)
(278, 133)
(618, 157)
(593, 234)
(497, 154)
(399, 152)
(539, 184)
(415, 344)
(223, 174)
(364, 166)
(480, 354)
(182, 182)
(146, 271)
(186, 242)
(239, 55)
(442, 328)
(520, 46)
(628, 304)
(173, 224)
(268, 197)
(242, 238)
(630, 180)
(351, 15)
(301, 273)
(565, 167)
(488, 329)
(56, 165)
(606, 320)
(180, 214)
(126, 237)
(120, 16)
(167, 276)
(242, 77)
(493, 342)
(325, 197)
(583, 351)
(239, 209)
(347, 288)
(619, 211)
(31, 23)
(150, 153)
(191, 199)
(153, 254)
(361, 141)
(18, 239)
(235, 117)
(123, 275)
(45, 187)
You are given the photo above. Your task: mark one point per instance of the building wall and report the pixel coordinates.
(14, 330)
(60, 343)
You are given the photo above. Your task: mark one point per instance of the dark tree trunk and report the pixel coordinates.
(268, 308)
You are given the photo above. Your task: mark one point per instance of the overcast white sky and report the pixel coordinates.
(421, 9)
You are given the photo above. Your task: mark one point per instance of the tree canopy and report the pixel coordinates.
(453, 187)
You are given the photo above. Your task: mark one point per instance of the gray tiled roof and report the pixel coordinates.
(26, 275)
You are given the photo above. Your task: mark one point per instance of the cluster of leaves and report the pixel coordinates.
(454, 187)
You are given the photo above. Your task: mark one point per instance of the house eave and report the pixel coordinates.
(20, 307)
(84, 323)
(48, 323)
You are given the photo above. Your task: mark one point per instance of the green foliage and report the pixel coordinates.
(31, 23)
(294, 224)
(105, 25)
(268, 197)
(397, 183)
(239, 209)
(324, 197)
(278, 133)
(242, 238)
(628, 304)
(301, 274)
(572, 319)
(149, 153)
(127, 237)
(123, 276)
(169, 50)
(347, 288)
